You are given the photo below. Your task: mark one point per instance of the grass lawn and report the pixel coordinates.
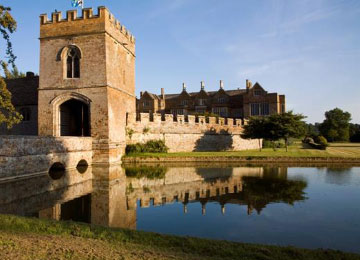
(27, 238)
(342, 150)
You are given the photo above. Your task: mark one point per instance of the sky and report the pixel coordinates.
(308, 50)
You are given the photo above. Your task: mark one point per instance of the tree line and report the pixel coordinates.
(336, 127)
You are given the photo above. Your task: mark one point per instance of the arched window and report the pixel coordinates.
(73, 63)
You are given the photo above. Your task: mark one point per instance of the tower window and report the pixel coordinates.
(73, 63)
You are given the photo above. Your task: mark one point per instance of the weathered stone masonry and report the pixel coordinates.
(95, 103)
(192, 134)
(21, 156)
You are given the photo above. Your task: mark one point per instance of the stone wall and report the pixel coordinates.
(189, 134)
(107, 76)
(22, 156)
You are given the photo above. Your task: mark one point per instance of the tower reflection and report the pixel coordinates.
(110, 195)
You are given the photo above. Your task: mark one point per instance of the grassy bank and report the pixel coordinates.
(24, 238)
(338, 150)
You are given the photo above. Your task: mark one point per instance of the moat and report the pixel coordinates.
(310, 207)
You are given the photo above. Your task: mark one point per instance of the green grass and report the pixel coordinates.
(338, 150)
(202, 248)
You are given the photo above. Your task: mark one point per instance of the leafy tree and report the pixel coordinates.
(354, 133)
(336, 125)
(312, 130)
(256, 128)
(8, 114)
(11, 74)
(286, 125)
(275, 127)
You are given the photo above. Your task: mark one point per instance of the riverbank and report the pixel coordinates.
(29, 238)
(336, 153)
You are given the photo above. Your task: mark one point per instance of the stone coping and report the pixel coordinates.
(236, 159)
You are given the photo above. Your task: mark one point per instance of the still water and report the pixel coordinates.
(310, 207)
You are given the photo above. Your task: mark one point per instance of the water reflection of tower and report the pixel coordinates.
(109, 205)
(186, 201)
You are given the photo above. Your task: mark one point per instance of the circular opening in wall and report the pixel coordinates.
(82, 166)
(57, 171)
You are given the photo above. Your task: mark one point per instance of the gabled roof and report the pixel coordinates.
(233, 92)
(151, 95)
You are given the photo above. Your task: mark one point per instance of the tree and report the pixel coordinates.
(336, 125)
(256, 129)
(354, 133)
(8, 114)
(275, 127)
(312, 130)
(11, 74)
(286, 125)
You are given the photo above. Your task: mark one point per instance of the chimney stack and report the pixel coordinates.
(202, 85)
(30, 74)
(162, 93)
(221, 84)
(141, 94)
(248, 84)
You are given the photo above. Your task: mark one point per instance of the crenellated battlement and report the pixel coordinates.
(188, 133)
(88, 22)
(190, 123)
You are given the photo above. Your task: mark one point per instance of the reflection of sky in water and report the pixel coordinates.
(329, 218)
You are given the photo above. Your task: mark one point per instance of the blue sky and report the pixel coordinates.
(308, 50)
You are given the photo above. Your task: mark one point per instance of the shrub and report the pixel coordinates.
(133, 148)
(155, 146)
(273, 144)
(321, 140)
(149, 172)
(152, 146)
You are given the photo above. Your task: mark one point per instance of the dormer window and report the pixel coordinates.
(73, 63)
(221, 100)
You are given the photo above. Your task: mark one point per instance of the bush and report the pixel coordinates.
(321, 140)
(318, 142)
(273, 144)
(152, 146)
(133, 148)
(155, 146)
(149, 172)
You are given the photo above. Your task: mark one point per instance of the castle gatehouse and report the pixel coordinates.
(85, 96)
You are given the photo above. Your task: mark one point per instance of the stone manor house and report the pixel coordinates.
(253, 100)
(86, 89)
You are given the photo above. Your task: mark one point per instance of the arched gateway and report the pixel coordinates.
(74, 118)
(87, 80)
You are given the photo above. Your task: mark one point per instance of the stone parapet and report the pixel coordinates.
(26, 155)
(104, 19)
(168, 124)
(189, 133)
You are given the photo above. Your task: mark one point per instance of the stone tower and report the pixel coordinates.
(87, 80)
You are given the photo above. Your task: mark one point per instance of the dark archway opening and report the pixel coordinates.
(74, 118)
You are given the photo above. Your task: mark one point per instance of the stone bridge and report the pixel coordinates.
(26, 156)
